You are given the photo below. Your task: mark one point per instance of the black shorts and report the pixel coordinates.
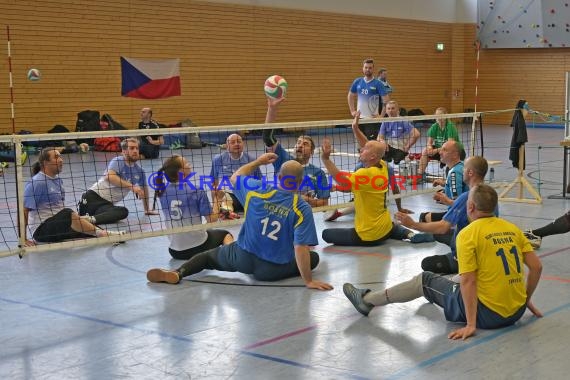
(57, 228)
(238, 207)
(394, 154)
(149, 151)
(214, 240)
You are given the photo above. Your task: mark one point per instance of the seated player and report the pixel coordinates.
(369, 184)
(494, 291)
(560, 226)
(441, 131)
(273, 243)
(399, 136)
(317, 193)
(44, 205)
(183, 206)
(224, 165)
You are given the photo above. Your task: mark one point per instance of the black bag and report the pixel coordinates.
(87, 121)
(113, 124)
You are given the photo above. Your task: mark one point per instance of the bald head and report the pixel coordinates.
(234, 145)
(372, 152)
(450, 152)
(146, 114)
(378, 148)
(291, 174)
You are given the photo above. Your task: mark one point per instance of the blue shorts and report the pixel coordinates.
(447, 294)
(232, 258)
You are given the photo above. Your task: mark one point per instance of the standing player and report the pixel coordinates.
(492, 293)
(388, 89)
(183, 206)
(367, 92)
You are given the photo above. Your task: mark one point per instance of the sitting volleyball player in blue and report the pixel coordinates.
(450, 155)
(315, 188)
(184, 205)
(455, 219)
(224, 166)
(45, 213)
(273, 243)
(494, 290)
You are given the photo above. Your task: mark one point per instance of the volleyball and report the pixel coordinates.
(34, 75)
(275, 86)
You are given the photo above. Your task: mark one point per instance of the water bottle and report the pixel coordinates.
(403, 169)
(491, 175)
(413, 170)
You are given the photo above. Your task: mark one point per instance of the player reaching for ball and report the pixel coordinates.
(315, 188)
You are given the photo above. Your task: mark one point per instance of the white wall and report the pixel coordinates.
(427, 10)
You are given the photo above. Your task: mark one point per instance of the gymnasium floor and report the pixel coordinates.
(90, 313)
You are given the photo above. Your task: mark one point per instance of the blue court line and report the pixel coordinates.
(172, 336)
(304, 366)
(97, 320)
(467, 346)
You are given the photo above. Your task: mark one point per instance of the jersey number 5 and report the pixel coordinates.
(175, 211)
(273, 233)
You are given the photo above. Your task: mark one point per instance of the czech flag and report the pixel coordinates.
(150, 79)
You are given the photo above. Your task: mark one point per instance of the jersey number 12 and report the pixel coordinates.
(273, 233)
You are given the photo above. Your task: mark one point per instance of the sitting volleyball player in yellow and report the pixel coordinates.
(491, 252)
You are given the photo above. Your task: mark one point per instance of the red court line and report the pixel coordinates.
(556, 278)
(280, 337)
(554, 252)
(376, 254)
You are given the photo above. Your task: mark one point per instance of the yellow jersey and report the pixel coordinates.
(372, 220)
(494, 249)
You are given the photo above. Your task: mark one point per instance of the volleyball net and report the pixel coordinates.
(83, 168)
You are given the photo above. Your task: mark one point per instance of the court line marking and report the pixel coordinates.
(476, 342)
(161, 334)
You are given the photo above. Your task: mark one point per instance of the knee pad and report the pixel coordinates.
(423, 217)
(436, 264)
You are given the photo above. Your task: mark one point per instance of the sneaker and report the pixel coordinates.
(535, 241)
(356, 296)
(163, 275)
(332, 215)
(422, 238)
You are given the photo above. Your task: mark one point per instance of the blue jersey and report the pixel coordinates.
(454, 185)
(275, 221)
(183, 206)
(457, 217)
(44, 196)
(369, 94)
(388, 89)
(315, 181)
(131, 172)
(224, 166)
